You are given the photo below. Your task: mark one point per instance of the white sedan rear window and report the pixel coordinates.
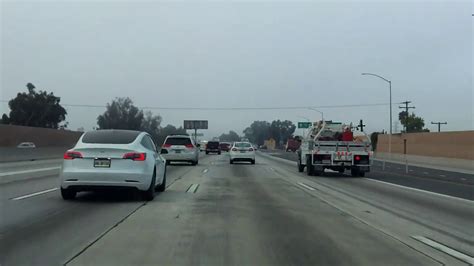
(243, 145)
(110, 136)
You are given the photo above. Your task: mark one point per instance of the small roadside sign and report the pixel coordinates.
(304, 124)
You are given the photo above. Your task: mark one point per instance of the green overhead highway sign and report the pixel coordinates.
(197, 135)
(304, 124)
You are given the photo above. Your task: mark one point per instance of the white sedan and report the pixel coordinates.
(26, 145)
(113, 158)
(242, 151)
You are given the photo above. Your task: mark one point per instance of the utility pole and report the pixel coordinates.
(406, 107)
(439, 124)
(361, 126)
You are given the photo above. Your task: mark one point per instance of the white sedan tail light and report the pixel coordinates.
(135, 156)
(71, 155)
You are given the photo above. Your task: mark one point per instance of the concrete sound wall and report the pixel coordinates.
(11, 136)
(457, 144)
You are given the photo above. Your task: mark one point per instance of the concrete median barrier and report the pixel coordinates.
(15, 154)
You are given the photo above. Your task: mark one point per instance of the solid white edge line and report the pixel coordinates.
(421, 190)
(35, 194)
(306, 186)
(29, 171)
(205, 170)
(454, 253)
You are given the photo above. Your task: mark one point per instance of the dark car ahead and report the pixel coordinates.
(213, 147)
(225, 146)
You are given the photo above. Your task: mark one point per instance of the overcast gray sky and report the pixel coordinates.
(244, 54)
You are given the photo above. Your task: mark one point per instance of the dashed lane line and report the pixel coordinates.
(452, 252)
(306, 186)
(29, 171)
(35, 194)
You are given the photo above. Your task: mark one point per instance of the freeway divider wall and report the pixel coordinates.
(11, 136)
(455, 144)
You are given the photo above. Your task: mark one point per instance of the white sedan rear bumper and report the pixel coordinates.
(237, 156)
(84, 180)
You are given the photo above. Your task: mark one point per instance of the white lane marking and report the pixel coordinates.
(421, 190)
(192, 188)
(444, 176)
(388, 166)
(425, 173)
(306, 186)
(30, 171)
(205, 170)
(454, 253)
(411, 170)
(271, 168)
(35, 194)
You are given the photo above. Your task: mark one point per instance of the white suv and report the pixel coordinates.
(180, 148)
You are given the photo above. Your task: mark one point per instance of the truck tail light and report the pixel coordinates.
(357, 158)
(135, 156)
(189, 146)
(166, 145)
(71, 155)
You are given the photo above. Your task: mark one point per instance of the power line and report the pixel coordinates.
(235, 108)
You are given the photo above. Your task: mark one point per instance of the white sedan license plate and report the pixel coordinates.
(102, 163)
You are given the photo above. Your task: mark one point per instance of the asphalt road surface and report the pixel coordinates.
(439, 181)
(221, 214)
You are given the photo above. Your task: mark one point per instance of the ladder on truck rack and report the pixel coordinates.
(321, 126)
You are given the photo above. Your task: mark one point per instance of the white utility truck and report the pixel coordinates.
(333, 145)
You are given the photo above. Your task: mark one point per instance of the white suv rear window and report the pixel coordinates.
(178, 141)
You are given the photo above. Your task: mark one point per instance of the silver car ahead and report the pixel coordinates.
(113, 158)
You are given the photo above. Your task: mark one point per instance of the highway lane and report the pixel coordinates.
(242, 214)
(445, 182)
(440, 216)
(45, 230)
(268, 214)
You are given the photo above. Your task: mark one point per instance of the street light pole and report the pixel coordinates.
(322, 114)
(390, 135)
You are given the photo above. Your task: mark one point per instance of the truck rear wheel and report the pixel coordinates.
(309, 166)
(300, 166)
(355, 172)
(318, 172)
